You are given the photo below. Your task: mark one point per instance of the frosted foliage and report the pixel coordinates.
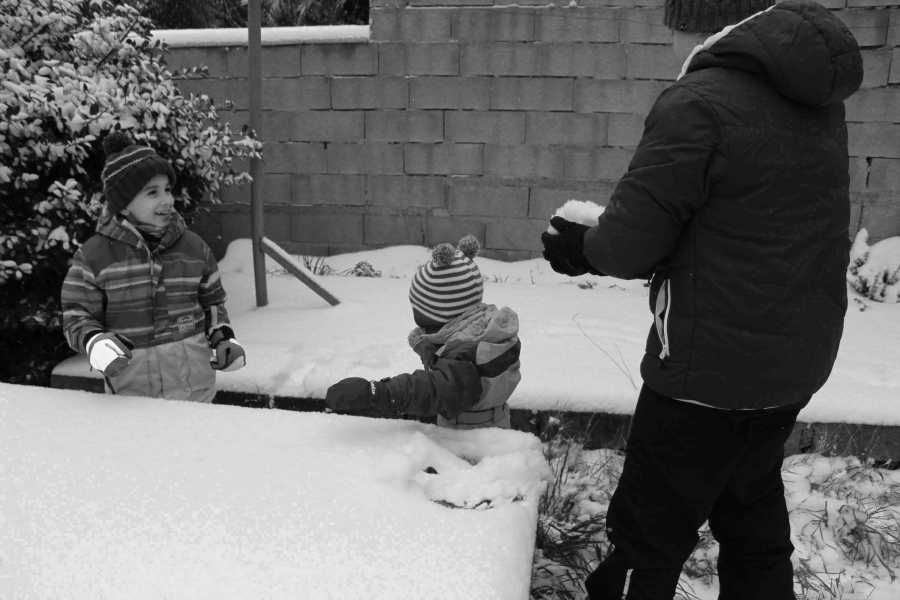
(874, 271)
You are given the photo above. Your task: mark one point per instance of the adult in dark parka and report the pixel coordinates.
(737, 204)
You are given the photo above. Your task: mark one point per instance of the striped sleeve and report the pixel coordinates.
(211, 294)
(82, 303)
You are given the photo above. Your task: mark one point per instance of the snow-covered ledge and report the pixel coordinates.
(271, 36)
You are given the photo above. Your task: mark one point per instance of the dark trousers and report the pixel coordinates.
(685, 464)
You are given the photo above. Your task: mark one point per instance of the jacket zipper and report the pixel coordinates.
(662, 317)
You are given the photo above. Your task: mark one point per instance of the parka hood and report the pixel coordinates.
(799, 48)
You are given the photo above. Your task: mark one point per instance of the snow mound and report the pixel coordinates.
(874, 271)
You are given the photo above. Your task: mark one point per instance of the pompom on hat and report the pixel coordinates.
(129, 167)
(448, 284)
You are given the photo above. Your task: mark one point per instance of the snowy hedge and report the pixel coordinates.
(874, 271)
(70, 72)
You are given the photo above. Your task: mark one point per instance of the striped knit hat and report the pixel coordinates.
(710, 15)
(447, 285)
(128, 168)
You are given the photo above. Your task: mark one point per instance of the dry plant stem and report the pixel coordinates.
(622, 368)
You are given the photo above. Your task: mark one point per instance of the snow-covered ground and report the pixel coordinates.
(109, 498)
(581, 348)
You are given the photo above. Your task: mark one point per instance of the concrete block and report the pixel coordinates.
(893, 35)
(220, 91)
(833, 4)
(339, 59)
(876, 67)
(880, 214)
(306, 93)
(855, 214)
(443, 159)
(493, 127)
(524, 161)
(859, 173)
(622, 3)
(294, 158)
(394, 230)
(401, 191)
(870, 3)
(617, 96)
(324, 228)
(874, 140)
(365, 158)
(214, 59)
(369, 92)
(565, 24)
(277, 61)
(410, 24)
(493, 25)
(327, 126)
(387, 3)
(472, 93)
(234, 194)
(418, 59)
(235, 226)
(485, 201)
(515, 234)
(644, 61)
(453, 3)
(278, 125)
(278, 226)
(869, 27)
(567, 129)
(625, 130)
(884, 174)
(500, 58)
(599, 61)
(894, 76)
(344, 190)
(644, 26)
(544, 202)
(404, 126)
(874, 104)
(449, 230)
(538, 93)
(597, 163)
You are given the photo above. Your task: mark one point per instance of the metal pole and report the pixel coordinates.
(257, 217)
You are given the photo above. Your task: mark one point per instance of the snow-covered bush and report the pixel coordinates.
(70, 72)
(874, 271)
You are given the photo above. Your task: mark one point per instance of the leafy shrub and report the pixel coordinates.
(70, 72)
(207, 14)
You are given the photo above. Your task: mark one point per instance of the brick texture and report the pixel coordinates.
(645, 61)
(449, 230)
(327, 228)
(500, 58)
(566, 24)
(879, 140)
(870, 3)
(597, 163)
(874, 104)
(869, 27)
(369, 92)
(894, 76)
(523, 161)
(618, 96)
(306, 93)
(443, 159)
(214, 59)
(544, 202)
(622, 3)
(644, 26)
(516, 234)
(327, 126)
(360, 159)
(402, 191)
(599, 61)
(566, 129)
(339, 59)
(494, 127)
(218, 90)
(276, 190)
(893, 35)
(625, 130)
(418, 59)
(405, 126)
(859, 173)
(472, 93)
(410, 25)
(493, 25)
(294, 158)
(885, 174)
(393, 230)
(328, 189)
(277, 61)
(880, 214)
(489, 201)
(876, 67)
(531, 94)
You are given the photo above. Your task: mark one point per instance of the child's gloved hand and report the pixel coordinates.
(565, 250)
(228, 354)
(109, 353)
(356, 393)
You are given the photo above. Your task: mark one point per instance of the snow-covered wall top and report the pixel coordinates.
(271, 36)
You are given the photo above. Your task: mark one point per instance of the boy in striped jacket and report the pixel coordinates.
(469, 350)
(143, 298)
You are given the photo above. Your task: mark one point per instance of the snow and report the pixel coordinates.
(874, 271)
(108, 497)
(271, 36)
(581, 346)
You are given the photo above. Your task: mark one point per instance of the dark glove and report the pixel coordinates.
(565, 251)
(356, 393)
(109, 353)
(228, 354)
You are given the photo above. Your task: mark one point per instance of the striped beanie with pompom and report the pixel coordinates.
(128, 169)
(447, 285)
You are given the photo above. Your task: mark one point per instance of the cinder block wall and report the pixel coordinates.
(461, 116)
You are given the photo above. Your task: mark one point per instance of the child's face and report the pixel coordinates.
(153, 204)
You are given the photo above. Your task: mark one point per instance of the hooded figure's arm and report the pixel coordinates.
(449, 388)
(677, 161)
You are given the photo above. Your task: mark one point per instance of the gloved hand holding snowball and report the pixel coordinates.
(564, 239)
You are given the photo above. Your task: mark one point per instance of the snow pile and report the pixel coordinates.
(584, 212)
(114, 497)
(874, 271)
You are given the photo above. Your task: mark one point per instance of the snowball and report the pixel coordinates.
(584, 212)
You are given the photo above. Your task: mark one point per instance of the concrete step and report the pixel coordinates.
(597, 430)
